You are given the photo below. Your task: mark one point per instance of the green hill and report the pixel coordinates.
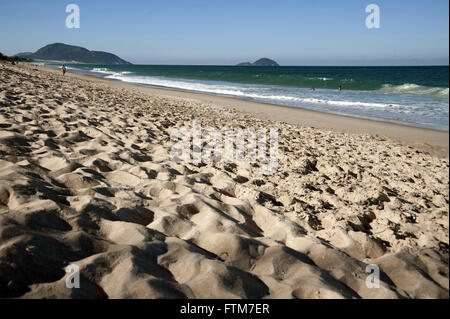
(71, 53)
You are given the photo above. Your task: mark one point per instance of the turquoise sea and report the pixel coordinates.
(416, 96)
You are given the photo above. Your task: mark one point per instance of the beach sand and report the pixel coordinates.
(86, 179)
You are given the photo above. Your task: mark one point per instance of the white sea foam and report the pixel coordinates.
(102, 70)
(245, 92)
(321, 78)
(415, 89)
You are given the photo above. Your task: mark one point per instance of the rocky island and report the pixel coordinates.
(260, 62)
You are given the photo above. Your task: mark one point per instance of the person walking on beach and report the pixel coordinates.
(63, 69)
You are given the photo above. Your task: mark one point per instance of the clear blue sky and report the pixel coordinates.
(292, 32)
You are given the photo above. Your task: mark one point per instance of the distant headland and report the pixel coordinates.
(74, 54)
(260, 62)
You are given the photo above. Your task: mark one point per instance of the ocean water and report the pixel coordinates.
(416, 96)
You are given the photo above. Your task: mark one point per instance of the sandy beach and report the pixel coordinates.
(86, 179)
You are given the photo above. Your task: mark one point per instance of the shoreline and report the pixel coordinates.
(436, 142)
(168, 88)
(354, 116)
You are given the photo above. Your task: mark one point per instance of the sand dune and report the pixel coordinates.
(86, 179)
